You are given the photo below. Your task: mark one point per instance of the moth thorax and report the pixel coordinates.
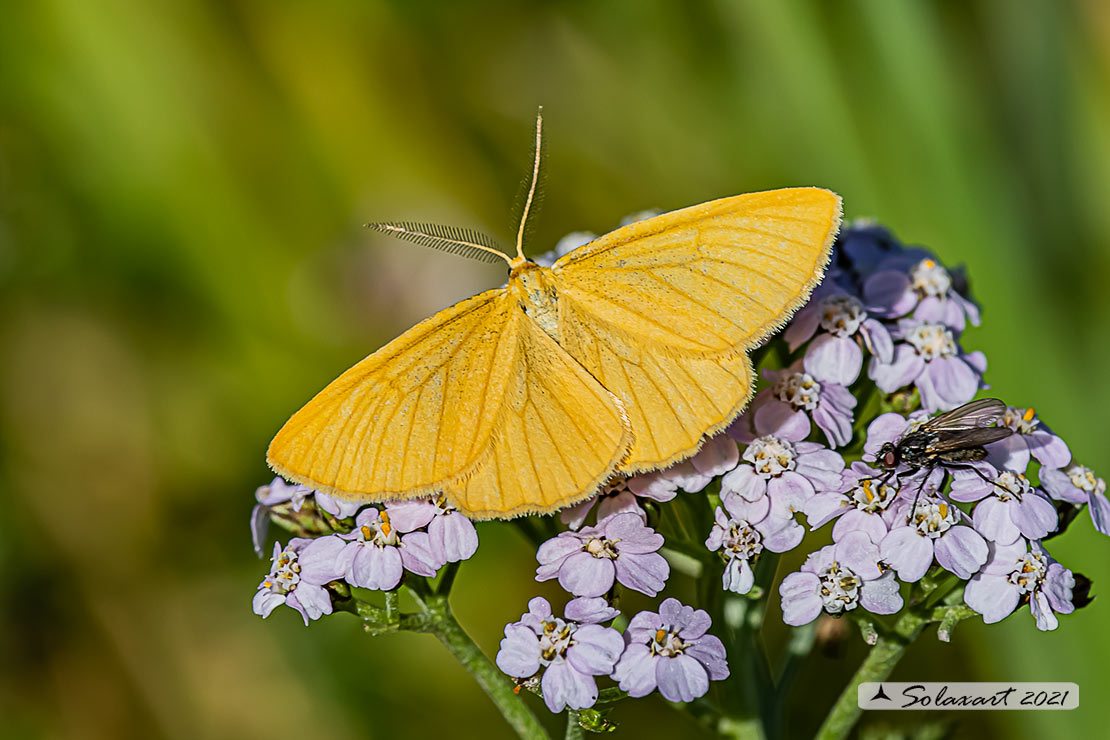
(534, 288)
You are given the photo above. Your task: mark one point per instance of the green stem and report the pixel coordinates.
(888, 650)
(750, 687)
(574, 729)
(798, 649)
(447, 580)
(377, 622)
(497, 687)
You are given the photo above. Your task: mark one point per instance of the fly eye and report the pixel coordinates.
(888, 460)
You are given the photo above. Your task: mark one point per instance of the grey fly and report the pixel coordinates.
(953, 439)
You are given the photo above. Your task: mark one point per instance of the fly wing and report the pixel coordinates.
(962, 440)
(975, 415)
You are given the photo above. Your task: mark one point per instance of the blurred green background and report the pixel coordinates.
(182, 265)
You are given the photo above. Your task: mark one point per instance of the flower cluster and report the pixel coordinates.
(418, 536)
(669, 649)
(983, 518)
(872, 359)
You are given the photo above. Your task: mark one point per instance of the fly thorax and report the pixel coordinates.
(534, 288)
(912, 450)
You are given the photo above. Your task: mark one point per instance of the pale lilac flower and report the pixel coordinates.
(795, 393)
(778, 463)
(277, 491)
(615, 498)
(297, 580)
(572, 650)
(452, 535)
(717, 456)
(925, 287)
(672, 652)
(621, 546)
(836, 355)
(864, 504)
(929, 358)
(1078, 484)
(1032, 438)
(935, 529)
(1013, 574)
(338, 507)
(838, 578)
(746, 530)
(374, 554)
(1009, 506)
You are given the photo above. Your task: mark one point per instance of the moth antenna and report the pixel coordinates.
(534, 191)
(465, 242)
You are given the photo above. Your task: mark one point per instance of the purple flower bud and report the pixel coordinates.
(671, 651)
(620, 547)
(571, 651)
(864, 245)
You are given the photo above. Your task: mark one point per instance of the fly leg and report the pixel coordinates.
(978, 472)
(913, 507)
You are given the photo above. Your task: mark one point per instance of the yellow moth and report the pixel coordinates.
(623, 356)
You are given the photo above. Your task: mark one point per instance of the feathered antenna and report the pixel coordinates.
(531, 192)
(465, 242)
